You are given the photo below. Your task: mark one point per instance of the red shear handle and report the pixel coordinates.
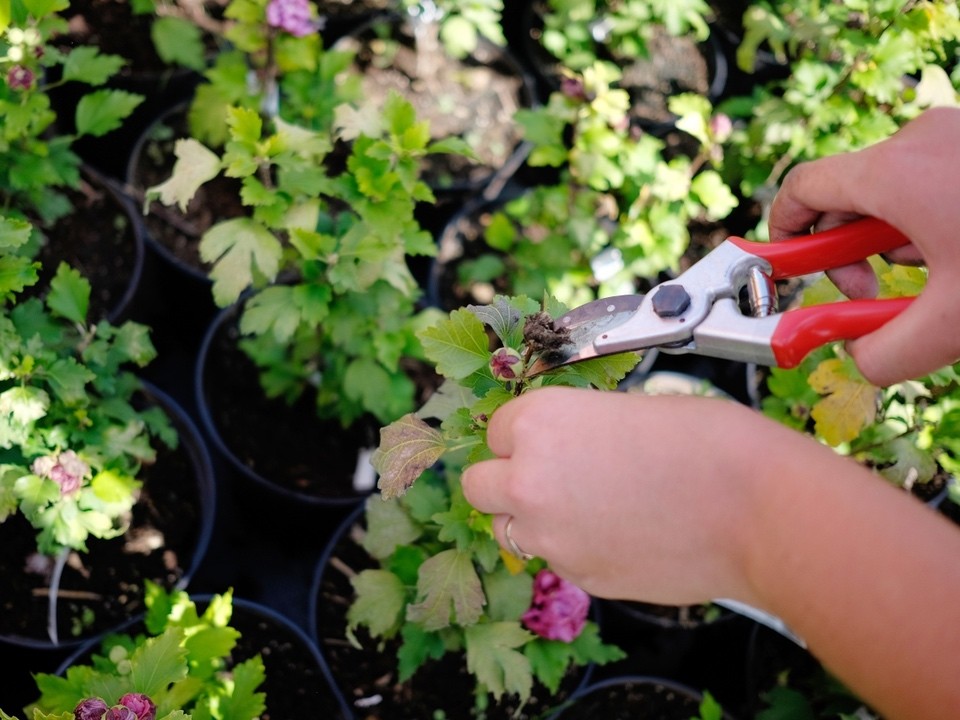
(827, 249)
(800, 331)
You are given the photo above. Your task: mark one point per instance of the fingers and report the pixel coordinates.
(484, 483)
(855, 281)
(928, 326)
(816, 193)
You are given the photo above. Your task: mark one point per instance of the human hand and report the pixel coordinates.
(909, 181)
(605, 487)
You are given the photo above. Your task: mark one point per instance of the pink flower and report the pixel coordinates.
(140, 704)
(292, 16)
(559, 608)
(721, 127)
(65, 469)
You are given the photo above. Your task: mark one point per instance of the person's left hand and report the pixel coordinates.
(628, 496)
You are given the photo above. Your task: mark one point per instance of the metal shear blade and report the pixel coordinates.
(582, 325)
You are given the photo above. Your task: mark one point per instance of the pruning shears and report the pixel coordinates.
(725, 305)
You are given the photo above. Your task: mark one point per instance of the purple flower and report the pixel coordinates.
(20, 78)
(506, 364)
(292, 16)
(559, 608)
(90, 709)
(65, 469)
(119, 712)
(142, 705)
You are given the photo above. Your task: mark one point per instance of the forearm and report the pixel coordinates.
(865, 575)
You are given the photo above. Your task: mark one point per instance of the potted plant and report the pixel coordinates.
(620, 210)
(79, 433)
(317, 273)
(171, 662)
(658, 49)
(876, 71)
(75, 215)
(453, 64)
(435, 586)
(37, 165)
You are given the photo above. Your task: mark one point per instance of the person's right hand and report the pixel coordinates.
(912, 181)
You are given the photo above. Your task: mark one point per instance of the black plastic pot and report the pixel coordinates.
(629, 697)
(297, 681)
(445, 678)
(301, 464)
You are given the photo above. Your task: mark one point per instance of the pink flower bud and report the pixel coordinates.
(292, 16)
(559, 608)
(20, 78)
(66, 469)
(506, 364)
(119, 712)
(721, 127)
(142, 705)
(90, 709)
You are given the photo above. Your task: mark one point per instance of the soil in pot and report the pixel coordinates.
(284, 449)
(474, 98)
(101, 238)
(167, 539)
(367, 677)
(629, 698)
(172, 233)
(675, 64)
(115, 28)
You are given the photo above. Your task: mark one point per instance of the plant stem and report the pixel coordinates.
(52, 599)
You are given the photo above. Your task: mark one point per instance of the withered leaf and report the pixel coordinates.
(408, 446)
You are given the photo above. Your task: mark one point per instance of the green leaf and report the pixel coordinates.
(458, 345)
(408, 446)
(388, 527)
(418, 647)
(16, 273)
(505, 317)
(24, 404)
(493, 657)
(178, 42)
(459, 36)
(194, 166)
(448, 590)
(379, 603)
(86, 64)
(244, 701)
(101, 111)
(713, 194)
(14, 233)
(239, 249)
(69, 295)
(68, 379)
(603, 373)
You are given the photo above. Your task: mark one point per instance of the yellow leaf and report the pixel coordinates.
(849, 403)
(513, 564)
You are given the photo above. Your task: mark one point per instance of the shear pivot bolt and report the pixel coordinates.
(670, 301)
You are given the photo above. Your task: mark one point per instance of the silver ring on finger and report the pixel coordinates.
(512, 544)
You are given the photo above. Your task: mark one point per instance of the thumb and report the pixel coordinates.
(919, 340)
